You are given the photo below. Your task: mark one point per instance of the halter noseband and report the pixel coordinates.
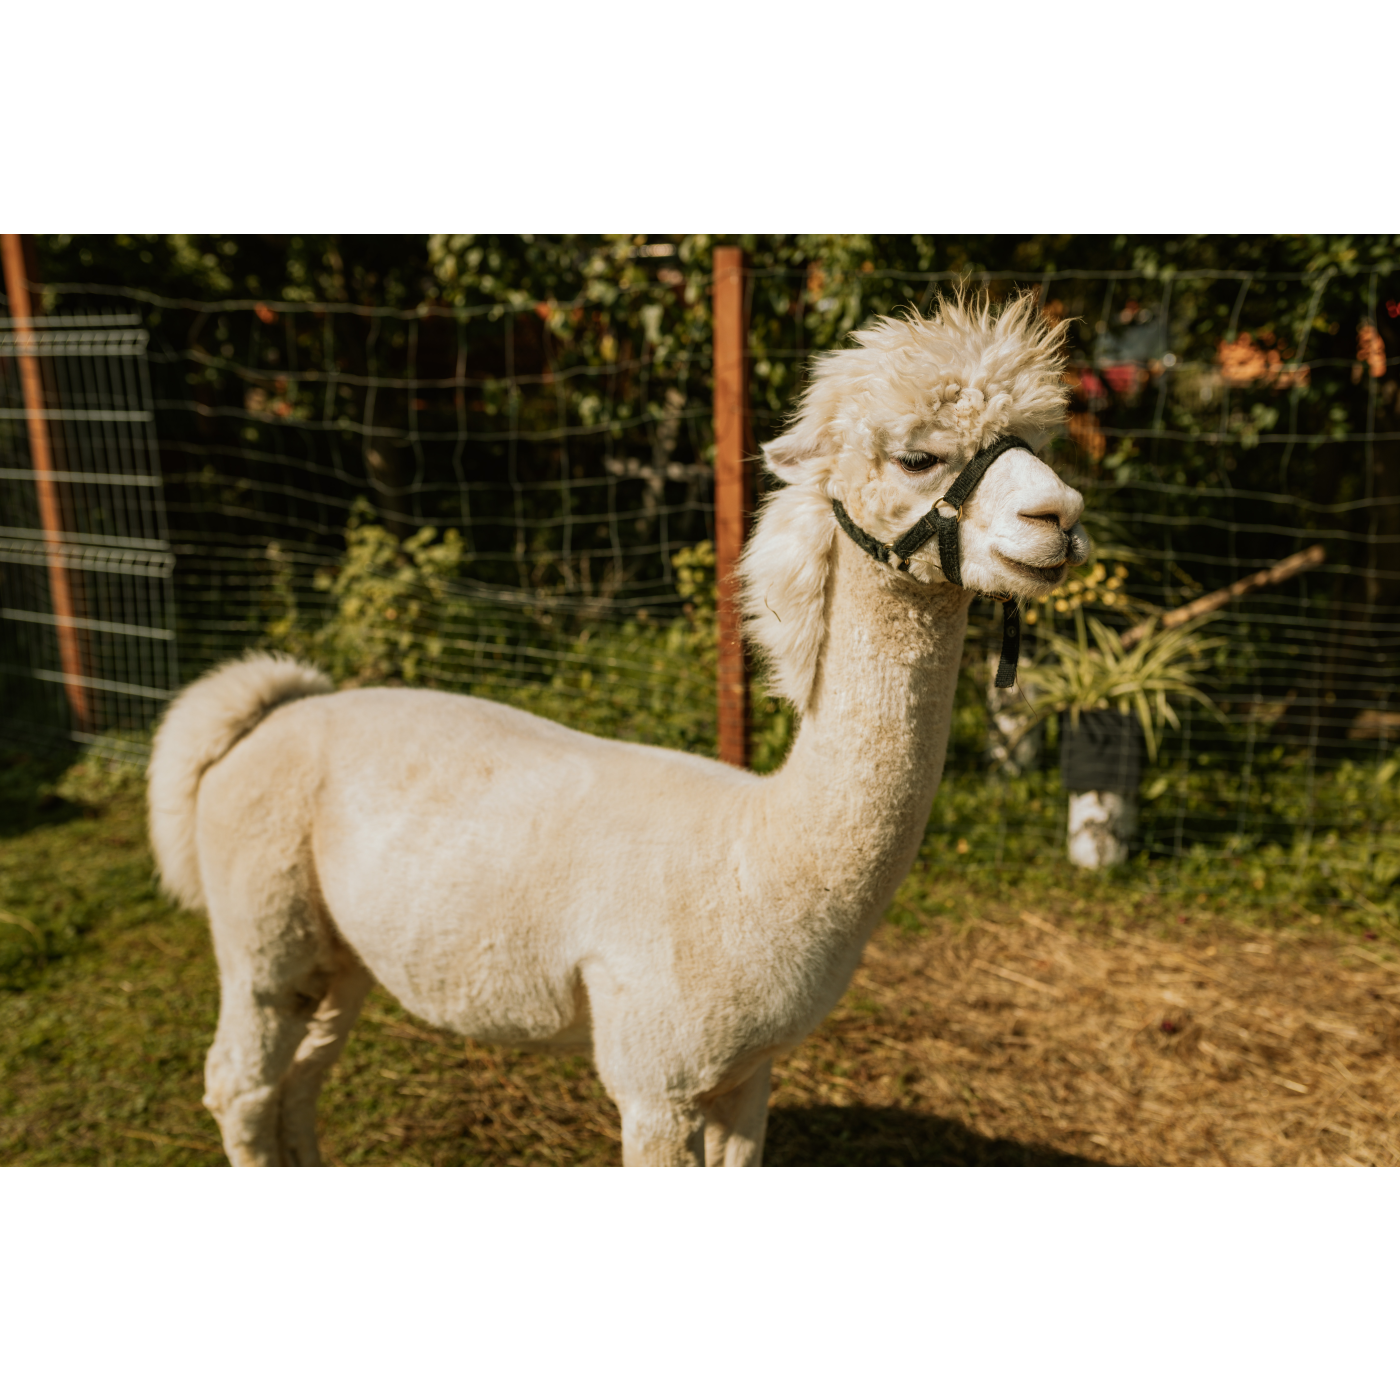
(898, 554)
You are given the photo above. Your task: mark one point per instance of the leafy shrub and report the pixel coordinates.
(396, 617)
(98, 778)
(390, 603)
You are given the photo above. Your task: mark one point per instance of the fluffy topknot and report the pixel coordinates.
(964, 368)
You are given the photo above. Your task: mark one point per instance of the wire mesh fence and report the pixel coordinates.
(86, 609)
(515, 502)
(486, 498)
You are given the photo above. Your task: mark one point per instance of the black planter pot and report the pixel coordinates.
(1101, 762)
(1104, 754)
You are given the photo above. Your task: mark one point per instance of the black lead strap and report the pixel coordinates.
(898, 554)
(1010, 644)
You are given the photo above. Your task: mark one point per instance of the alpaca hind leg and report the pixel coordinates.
(736, 1122)
(274, 973)
(325, 1038)
(259, 1031)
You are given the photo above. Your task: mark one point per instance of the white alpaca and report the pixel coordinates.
(514, 881)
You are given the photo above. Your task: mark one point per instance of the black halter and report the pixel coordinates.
(898, 554)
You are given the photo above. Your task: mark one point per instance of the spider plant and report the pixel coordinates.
(1144, 680)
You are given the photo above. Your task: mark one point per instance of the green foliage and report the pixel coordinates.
(396, 617)
(1261, 396)
(639, 304)
(1315, 837)
(641, 680)
(696, 582)
(98, 779)
(35, 928)
(774, 729)
(390, 602)
(279, 267)
(654, 682)
(1339, 858)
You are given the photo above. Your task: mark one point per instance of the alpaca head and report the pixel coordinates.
(885, 428)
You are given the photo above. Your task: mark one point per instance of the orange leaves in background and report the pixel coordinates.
(1084, 429)
(1370, 349)
(1243, 362)
(1085, 433)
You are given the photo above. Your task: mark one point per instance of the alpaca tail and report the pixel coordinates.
(205, 721)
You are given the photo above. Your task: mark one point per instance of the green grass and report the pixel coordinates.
(1325, 842)
(106, 999)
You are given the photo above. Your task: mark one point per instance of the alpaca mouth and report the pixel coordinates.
(1051, 574)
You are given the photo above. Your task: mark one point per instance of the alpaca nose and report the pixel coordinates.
(1060, 508)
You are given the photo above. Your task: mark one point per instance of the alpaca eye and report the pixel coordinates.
(916, 461)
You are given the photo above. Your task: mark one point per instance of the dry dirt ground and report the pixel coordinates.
(1071, 1034)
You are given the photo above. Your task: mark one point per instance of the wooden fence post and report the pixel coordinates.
(41, 455)
(733, 498)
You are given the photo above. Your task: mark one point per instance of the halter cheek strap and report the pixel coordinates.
(898, 554)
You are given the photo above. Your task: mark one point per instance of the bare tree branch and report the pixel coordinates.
(1285, 568)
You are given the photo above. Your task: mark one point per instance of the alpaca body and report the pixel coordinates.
(517, 882)
(405, 812)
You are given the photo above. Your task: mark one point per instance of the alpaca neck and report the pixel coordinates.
(860, 780)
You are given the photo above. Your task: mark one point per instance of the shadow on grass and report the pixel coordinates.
(894, 1137)
(26, 797)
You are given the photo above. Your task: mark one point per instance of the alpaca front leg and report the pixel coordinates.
(736, 1122)
(657, 1133)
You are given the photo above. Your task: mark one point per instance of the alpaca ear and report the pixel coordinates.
(789, 457)
(784, 571)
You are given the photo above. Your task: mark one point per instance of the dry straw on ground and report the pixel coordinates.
(1225, 1046)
